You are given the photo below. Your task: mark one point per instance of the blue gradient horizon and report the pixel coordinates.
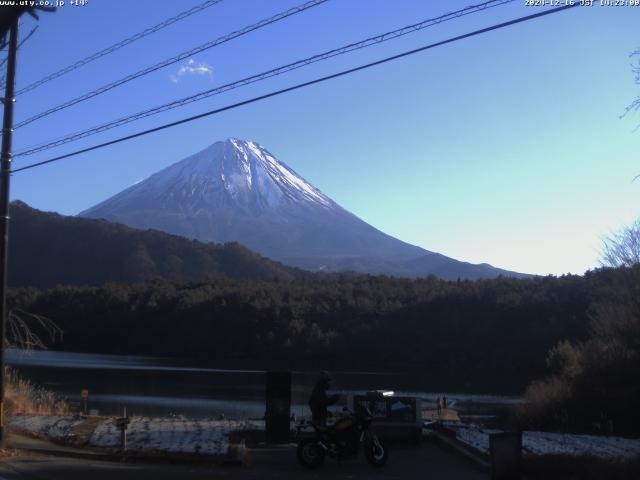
(507, 148)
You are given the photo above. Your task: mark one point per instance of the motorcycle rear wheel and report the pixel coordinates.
(376, 453)
(310, 454)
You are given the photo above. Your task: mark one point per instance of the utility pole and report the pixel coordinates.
(5, 177)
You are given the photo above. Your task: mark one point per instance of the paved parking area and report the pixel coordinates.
(424, 461)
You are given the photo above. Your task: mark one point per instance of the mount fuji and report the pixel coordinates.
(236, 190)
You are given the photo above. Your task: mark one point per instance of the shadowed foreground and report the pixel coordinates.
(425, 461)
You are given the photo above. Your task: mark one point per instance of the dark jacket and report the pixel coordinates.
(319, 401)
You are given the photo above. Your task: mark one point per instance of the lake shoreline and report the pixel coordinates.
(153, 386)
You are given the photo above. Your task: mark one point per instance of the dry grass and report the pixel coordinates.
(24, 398)
(12, 453)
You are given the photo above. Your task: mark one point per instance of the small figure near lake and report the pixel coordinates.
(320, 400)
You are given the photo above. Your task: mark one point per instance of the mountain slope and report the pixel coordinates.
(237, 191)
(47, 249)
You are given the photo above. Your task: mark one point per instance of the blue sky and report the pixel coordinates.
(505, 148)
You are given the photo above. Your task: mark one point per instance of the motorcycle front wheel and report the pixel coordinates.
(310, 454)
(376, 453)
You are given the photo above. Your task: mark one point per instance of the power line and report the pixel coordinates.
(117, 46)
(262, 76)
(4, 60)
(27, 37)
(175, 59)
(299, 86)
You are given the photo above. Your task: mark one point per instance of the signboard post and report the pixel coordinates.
(84, 394)
(122, 424)
(278, 407)
(389, 409)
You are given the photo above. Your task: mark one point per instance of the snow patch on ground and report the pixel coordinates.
(176, 435)
(475, 437)
(546, 443)
(56, 428)
(543, 443)
(172, 435)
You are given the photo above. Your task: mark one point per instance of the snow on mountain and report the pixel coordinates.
(243, 172)
(236, 190)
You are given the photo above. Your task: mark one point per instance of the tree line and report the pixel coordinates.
(487, 335)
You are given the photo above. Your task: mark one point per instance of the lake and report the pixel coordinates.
(161, 387)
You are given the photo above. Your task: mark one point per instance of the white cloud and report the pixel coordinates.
(193, 68)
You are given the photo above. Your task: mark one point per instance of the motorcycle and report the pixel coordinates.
(343, 440)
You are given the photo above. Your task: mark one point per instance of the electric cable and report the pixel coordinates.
(172, 60)
(117, 46)
(299, 86)
(258, 77)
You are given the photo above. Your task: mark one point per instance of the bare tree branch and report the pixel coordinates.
(21, 327)
(622, 248)
(635, 68)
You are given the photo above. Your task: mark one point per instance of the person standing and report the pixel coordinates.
(320, 400)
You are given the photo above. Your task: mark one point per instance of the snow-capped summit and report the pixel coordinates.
(233, 171)
(270, 178)
(236, 190)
